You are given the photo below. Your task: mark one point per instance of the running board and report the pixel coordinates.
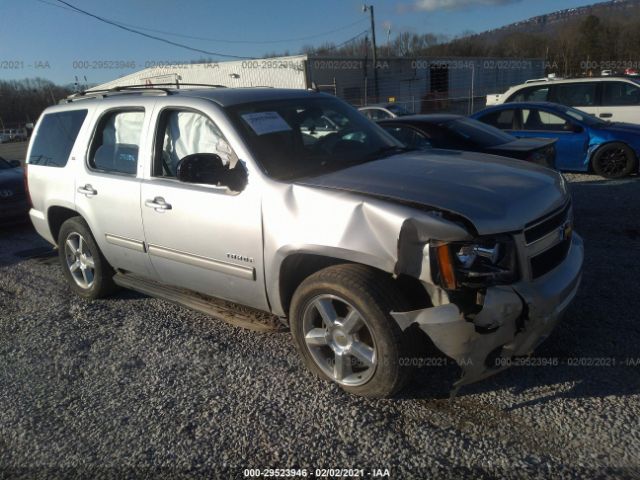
(234, 314)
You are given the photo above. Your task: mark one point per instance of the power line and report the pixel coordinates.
(217, 40)
(153, 37)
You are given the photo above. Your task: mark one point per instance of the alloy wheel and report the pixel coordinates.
(339, 340)
(79, 260)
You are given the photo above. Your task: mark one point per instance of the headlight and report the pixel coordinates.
(475, 264)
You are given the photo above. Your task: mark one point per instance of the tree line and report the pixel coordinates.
(22, 101)
(573, 47)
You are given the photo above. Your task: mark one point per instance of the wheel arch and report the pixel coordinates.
(298, 266)
(56, 216)
(606, 143)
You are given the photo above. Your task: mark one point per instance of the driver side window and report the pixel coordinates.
(185, 132)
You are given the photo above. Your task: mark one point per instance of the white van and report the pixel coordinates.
(616, 99)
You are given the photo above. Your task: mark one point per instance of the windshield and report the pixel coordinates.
(478, 133)
(4, 164)
(294, 138)
(583, 117)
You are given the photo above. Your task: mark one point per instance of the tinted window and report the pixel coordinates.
(502, 119)
(477, 133)
(56, 135)
(116, 142)
(620, 94)
(531, 94)
(577, 94)
(183, 133)
(408, 136)
(279, 136)
(377, 114)
(4, 164)
(540, 120)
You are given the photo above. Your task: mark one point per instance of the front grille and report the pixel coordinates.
(549, 259)
(543, 227)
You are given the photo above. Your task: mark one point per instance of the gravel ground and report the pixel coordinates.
(132, 386)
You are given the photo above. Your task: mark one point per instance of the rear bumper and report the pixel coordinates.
(41, 225)
(525, 312)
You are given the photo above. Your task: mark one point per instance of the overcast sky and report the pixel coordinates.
(48, 39)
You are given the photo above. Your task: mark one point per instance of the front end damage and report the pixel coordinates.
(508, 321)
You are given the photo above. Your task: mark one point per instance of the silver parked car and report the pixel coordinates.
(363, 248)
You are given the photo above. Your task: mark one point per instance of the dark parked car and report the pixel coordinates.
(610, 149)
(456, 132)
(14, 206)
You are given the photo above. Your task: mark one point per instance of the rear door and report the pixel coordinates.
(108, 187)
(581, 95)
(571, 147)
(620, 102)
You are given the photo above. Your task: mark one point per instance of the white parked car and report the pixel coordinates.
(616, 99)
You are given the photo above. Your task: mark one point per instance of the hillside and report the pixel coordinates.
(616, 10)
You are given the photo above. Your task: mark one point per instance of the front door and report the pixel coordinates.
(201, 237)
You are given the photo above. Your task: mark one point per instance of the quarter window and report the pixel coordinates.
(620, 94)
(116, 142)
(56, 135)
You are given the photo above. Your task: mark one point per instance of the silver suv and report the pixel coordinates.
(363, 248)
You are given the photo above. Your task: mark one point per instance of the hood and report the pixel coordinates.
(496, 194)
(524, 145)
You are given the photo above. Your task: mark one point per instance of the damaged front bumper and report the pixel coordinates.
(513, 321)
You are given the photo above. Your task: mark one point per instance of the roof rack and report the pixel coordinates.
(158, 88)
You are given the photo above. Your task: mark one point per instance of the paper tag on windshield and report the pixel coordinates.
(266, 122)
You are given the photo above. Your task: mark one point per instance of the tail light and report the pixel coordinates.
(26, 184)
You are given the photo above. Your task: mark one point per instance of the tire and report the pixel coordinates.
(614, 160)
(85, 268)
(360, 331)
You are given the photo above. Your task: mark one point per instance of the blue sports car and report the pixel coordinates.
(585, 143)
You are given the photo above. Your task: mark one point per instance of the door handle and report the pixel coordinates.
(88, 190)
(606, 115)
(158, 204)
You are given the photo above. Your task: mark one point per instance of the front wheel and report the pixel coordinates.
(342, 327)
(84, 266)
(614, 160)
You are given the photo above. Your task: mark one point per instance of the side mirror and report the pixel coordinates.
(209, 169)
(15, 163)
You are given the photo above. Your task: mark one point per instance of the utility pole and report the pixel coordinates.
(369, 8)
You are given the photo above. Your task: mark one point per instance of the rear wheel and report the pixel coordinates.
(84, 266)
(614, 160)
(342, 327)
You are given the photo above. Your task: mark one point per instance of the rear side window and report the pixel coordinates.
(56, 135)
(502, 119)
(620, 94)
(409, 136)
(116, 142)
(540, 120)
(577, 94)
